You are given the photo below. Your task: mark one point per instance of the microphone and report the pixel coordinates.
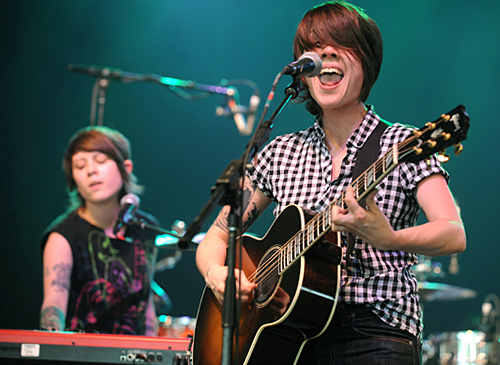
(129, 203)
(238, 112)
(221, 111)
(453, 267)
(252, 109)
(308, 65)
(105, 72)
(169, 261)
(238, 116)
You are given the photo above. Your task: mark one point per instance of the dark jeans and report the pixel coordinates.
(357, 336)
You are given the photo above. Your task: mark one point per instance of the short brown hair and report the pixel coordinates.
(105, 140)
(347, 27)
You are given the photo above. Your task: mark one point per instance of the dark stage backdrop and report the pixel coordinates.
(438, 54)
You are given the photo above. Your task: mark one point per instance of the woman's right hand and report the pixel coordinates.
(215, 279)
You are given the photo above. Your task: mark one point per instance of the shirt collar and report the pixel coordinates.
(360, 135)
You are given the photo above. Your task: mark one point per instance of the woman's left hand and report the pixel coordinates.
(371, 225)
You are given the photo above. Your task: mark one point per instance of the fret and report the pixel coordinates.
(370, 176)
(310, 235)
(327, 219)
(296, 244)
(340, 201)
(356, 190)
(283, 260)
(395, 154)
(280, 261)
(379, 172)
(387, 160)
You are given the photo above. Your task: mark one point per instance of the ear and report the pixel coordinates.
(129, 166)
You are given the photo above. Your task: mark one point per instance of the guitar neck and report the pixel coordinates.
(321, 224)
(449, 129)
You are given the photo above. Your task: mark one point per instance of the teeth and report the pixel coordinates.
(331, 70)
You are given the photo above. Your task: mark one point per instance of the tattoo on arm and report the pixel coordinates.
(250, 208)
(253, 214)
(52, 319)
(221, 220)
(62, 280)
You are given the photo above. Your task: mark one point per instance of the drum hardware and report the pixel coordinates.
(176, 327)
(426, 268)
(479, 346)
(163, 303)
(430, 292)
(460, 348)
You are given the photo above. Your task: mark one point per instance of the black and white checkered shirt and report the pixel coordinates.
(297, 169)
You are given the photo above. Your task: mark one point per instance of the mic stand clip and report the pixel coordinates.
(143, 225)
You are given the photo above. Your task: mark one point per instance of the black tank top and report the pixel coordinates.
(110, 280)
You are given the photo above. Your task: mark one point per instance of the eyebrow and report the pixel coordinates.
(94, 154)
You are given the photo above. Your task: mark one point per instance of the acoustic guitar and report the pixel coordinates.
(298, 261)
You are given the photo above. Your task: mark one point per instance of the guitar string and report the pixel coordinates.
(269, 265)
(264, 270)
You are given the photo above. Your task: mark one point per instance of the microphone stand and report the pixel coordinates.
(143, 225)
(98, 100)
(226, 192)
(111, 73)
(105, 74)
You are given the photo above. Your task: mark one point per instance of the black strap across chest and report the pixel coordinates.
(367, 155)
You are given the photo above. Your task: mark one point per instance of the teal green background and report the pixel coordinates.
(438, 54)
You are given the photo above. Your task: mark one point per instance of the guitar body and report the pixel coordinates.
(297, 262)
(309, 286)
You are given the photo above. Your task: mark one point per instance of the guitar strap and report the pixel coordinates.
(367, 155)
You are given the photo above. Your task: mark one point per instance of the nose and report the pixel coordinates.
(329, 53)
(91, 167)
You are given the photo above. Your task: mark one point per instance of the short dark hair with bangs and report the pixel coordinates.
(347, 27)
(108, 141)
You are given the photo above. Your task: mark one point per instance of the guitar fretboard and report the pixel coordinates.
(321, 224)
(449, 129)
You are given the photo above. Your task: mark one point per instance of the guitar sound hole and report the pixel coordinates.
(268, 279)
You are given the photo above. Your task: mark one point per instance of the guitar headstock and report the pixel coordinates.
(448, 130)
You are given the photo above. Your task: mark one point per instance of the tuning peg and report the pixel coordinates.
(443, 156)
(418, 151)
(446, 136)
(431, 143)
(428, 162)
(458, 149)
(430, 125)
(445, 117)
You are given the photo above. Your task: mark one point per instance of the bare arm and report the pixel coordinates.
(211, 253)
(443, 234)
(57, 266)
(151, 320)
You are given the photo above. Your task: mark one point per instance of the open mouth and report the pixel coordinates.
(330, 76)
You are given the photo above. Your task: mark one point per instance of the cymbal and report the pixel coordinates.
(431, 292)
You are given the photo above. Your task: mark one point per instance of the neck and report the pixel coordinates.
(340, 123)
(102, 215)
